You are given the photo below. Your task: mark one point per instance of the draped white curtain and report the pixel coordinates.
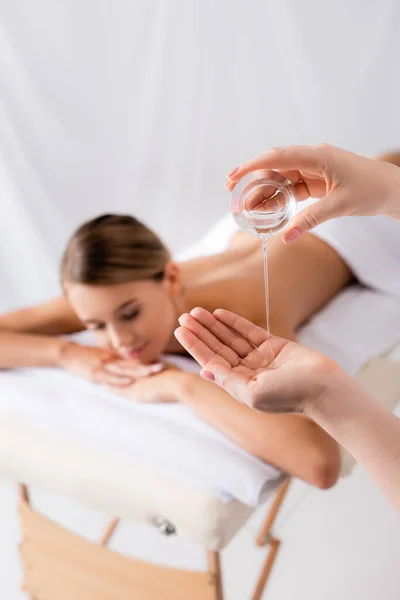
(142, 106)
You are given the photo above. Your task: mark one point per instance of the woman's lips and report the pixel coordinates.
(134, 353)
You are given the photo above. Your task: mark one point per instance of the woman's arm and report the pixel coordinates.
(27, 336)
(293, 443)
(55, 317)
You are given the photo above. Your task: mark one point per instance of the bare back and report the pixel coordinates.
(302, 278)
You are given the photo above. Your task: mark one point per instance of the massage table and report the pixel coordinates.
(75, 438)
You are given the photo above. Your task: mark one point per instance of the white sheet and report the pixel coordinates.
(167, 437)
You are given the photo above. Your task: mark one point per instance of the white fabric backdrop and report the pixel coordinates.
(142, 106)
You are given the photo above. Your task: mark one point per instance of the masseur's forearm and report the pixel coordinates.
(293, 443)
(368, 431)
(27, 350)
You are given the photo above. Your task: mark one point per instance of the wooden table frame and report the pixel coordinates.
(60, 565)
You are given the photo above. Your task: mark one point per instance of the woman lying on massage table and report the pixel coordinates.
(119, 282)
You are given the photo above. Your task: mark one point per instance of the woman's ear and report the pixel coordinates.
(172, 278)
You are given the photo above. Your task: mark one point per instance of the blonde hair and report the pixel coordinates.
(113, 249)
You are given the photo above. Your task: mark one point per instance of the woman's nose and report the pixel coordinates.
(119, 337)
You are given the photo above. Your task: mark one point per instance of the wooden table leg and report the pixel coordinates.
(266, 570)
(214, 568)
(109, 531)
(265, 531)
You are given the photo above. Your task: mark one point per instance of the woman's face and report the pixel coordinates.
(136, 319)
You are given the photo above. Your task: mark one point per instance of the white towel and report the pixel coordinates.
(360, 322)
(167, 437)
(370, 246)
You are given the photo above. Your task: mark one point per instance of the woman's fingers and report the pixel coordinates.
(229, 338)
(209, 339)
(118, 374)
(102, 376)
(135, 370)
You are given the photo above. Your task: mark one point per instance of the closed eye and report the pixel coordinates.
(131, 315)
(95, 326)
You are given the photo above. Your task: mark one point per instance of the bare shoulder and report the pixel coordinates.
(55, 317)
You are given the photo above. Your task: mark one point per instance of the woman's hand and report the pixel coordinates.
(91, 363)
(161, 386)
(103, 366)
(133, 368)
(349, 184)
(236, 354)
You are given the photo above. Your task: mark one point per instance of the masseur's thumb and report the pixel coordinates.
(333, 205)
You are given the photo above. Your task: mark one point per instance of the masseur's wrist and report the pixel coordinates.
(337, 388)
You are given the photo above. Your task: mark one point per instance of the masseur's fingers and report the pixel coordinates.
(198, 349)
(233, 381)
(215, 368)
(250, 355)
(241, 346)
(209, 339)
(242, 327)
(295, 158)
(193, 345)
(306, 183)
(330, 207)
(293, 175)
(247, 330)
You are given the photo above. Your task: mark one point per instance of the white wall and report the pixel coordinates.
(143, 106)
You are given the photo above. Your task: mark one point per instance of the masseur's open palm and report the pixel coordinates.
(269, 375)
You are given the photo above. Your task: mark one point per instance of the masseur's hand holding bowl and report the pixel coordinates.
(348, 184)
